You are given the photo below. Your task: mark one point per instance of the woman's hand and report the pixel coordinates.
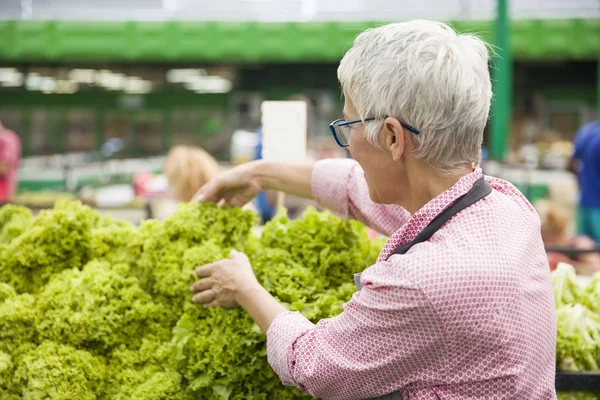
(231, 283)
(222, 282)
(236, 186)
(241, 184)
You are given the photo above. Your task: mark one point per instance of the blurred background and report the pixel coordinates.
(99, 92)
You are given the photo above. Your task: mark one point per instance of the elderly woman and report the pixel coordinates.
(459, 304)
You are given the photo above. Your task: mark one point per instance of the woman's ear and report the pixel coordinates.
(394, 138)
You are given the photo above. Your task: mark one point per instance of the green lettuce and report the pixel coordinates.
(578, 339)
(577, 395)
(57, 239)
(60, 372)
(592, 292)
(96, 308)
(14, 221)
(567, 291)
(99, 307)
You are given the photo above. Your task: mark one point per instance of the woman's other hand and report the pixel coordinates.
(236, 186)
(222, 282)
(239, 185)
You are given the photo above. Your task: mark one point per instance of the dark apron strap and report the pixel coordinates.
(479, 190)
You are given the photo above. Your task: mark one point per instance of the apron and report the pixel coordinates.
(479, 190)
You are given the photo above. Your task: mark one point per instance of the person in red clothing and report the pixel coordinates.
(10, 154)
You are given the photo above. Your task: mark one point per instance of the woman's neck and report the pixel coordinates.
(427, 184)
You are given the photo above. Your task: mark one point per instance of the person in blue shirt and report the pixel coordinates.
(263, 202)
(586, 163)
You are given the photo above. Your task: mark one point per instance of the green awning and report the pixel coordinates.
(244, 42)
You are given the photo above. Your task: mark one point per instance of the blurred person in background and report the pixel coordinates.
(459, 303)
(266, 200)
(10, 155)
(586, 164)
(556, 235)
(187, 168)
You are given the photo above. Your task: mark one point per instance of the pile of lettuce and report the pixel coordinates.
(578, 325)
(95, 308)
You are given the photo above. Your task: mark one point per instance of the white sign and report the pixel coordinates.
(284, 125)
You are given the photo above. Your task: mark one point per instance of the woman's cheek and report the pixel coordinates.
(356, 147)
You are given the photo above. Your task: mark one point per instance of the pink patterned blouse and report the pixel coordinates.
(468, 314)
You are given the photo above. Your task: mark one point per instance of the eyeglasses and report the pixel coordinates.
(341, 129)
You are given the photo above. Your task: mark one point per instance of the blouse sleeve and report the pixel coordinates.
(340, 185)
(387, 337)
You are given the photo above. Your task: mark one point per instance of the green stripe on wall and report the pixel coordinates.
(67, 41)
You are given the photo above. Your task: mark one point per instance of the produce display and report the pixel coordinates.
(95, 308)
(578, 325)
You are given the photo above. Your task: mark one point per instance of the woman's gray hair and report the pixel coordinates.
(428, 76)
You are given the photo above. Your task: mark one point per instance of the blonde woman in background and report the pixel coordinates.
(187, 168)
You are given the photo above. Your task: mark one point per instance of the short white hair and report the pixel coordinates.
(428, 76)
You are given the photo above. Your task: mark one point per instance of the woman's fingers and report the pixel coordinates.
(212, 304)
(206, 270)
(209, 192)
(238, 255)
(237, 202)
(204, 297)
(214, 194)
(202, 284)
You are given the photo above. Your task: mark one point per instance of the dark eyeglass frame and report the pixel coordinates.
(341, 122)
